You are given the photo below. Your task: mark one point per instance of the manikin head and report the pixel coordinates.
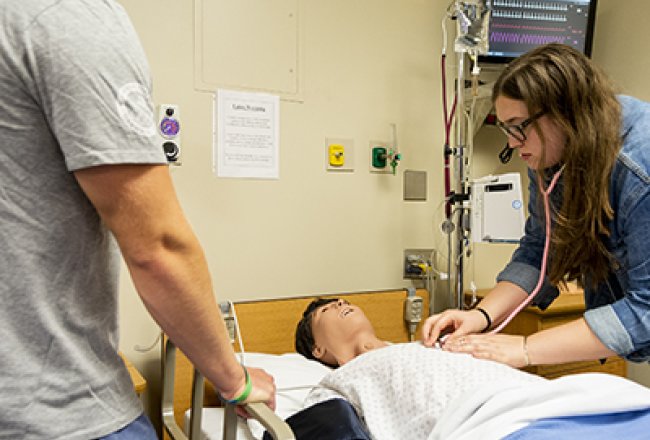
(333, 332)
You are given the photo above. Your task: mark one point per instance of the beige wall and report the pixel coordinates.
(364, 64)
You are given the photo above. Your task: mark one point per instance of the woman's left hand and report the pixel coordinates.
(507, 349)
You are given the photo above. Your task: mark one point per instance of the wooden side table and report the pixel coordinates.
(569, 306)
(139, 382)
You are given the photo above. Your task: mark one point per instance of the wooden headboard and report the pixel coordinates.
(268, 326)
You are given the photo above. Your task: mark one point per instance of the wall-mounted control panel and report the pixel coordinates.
(169, 129)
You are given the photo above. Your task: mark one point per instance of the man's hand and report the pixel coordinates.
(263, 390)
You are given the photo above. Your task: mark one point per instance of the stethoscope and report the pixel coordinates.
(547, 215)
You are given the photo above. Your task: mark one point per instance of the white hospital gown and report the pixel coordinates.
(400, 391)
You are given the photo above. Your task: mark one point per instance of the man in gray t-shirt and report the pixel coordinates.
(81, 174)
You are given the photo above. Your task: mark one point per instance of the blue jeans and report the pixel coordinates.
(139, 429)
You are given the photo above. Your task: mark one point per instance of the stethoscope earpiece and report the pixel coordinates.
(506, 154)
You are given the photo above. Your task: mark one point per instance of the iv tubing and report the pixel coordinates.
(448, 117)
(542, 271)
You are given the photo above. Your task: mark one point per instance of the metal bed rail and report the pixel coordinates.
(278, 429)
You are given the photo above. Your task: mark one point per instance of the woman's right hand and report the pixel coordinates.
(452, 323)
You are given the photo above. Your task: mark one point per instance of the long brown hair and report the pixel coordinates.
(579, 98)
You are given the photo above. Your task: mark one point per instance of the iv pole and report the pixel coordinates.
(472, 19)
(460, 190)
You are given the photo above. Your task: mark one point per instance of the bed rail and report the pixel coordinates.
(278, 429)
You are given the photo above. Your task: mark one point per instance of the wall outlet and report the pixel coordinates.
(418, 263)
(339, 154)
(379, 160)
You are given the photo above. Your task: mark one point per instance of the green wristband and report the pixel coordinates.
(247, 390)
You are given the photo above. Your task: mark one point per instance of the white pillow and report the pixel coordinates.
(294, 377)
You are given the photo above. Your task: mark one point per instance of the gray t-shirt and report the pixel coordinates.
(74, 93)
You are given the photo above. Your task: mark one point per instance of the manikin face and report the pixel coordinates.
(512, 112)
(336, 325)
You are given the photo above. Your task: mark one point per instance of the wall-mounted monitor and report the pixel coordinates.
(517, 26)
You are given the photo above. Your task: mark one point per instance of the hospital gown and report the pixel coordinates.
(401, 391)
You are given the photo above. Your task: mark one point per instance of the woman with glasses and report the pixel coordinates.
(561, 116)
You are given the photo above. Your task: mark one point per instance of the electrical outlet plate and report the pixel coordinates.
(412, 259)
(372, 159)
(348, 154)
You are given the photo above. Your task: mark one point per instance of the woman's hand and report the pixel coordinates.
(452, 322)
(507, 349)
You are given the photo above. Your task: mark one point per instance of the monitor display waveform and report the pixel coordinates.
(539, 16)
(528, 28)
(528, 39)
(528, 4)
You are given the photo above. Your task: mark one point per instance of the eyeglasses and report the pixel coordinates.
(517, 131)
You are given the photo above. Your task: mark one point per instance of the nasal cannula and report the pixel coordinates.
(542, 272)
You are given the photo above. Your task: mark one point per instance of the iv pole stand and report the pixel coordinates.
(459, 171)
(470, 27)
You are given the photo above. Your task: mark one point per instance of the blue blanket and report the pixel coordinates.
(633, 425)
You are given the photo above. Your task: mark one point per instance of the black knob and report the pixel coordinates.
(171, 151)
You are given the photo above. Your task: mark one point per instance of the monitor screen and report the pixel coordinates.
(517, 26)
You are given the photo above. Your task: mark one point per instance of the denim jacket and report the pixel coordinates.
(618, 309)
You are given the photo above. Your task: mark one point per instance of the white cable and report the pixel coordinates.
(470, 124)
(472, 287)
(142, 349)
(444, 36)
(296, 388)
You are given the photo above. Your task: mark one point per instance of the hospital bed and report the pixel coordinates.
(267, 329)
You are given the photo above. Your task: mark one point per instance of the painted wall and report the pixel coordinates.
(364, 65)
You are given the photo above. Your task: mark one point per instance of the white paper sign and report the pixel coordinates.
(246, 135)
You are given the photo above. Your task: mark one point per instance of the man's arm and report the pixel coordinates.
(169, 270)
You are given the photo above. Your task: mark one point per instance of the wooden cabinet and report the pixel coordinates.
(139, 382)
(569, 306)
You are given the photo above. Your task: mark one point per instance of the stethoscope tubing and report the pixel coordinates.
(542, 273)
